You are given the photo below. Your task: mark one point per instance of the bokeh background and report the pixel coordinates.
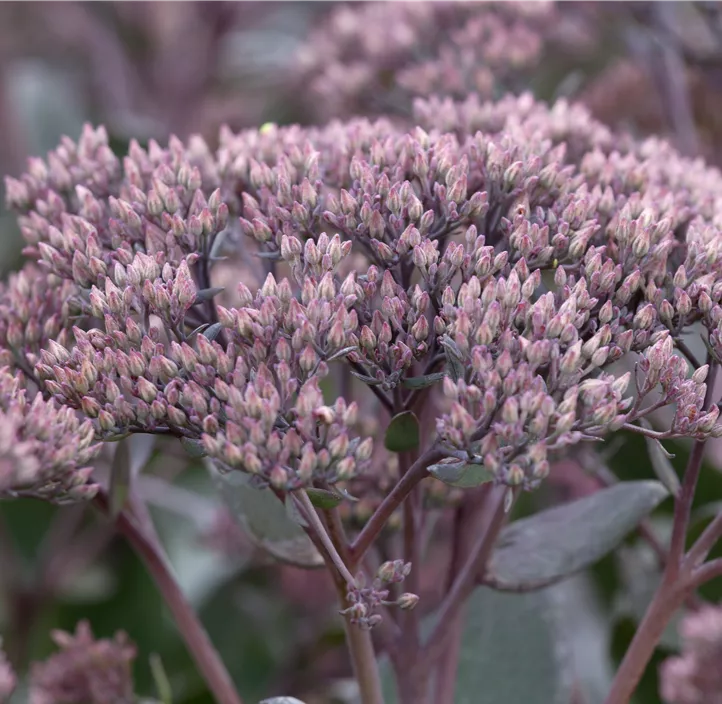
(149, 70)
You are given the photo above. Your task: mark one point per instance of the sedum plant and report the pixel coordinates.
(425, 318)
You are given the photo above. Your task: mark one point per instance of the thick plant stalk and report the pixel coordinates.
(466, 579)
(664, 604)
(669, 596)
(376, 523)
(360, 645)
(676, 582)
(196, 639)
(363, 658)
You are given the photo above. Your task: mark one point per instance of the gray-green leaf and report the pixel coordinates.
(131, 455)
(281, 700)
(120, 477)
(265, 519)
(402, 434)
(510, 651)
(421, 382)
(194, 448)
(663, 468)
(206, 294)
(321, 498)
(213, 331)
(548, 546)
(460, 474)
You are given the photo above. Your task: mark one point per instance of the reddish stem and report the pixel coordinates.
(197, 641)
(466, 579)
(378, 520)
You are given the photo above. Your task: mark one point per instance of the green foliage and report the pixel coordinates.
(553, 544)
(402, 433)
(265, 520)
(460, 474)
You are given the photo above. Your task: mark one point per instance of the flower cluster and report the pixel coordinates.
(418, 49)
(514, 248)
(366, 599)
(34, 310)
(7, 678)
(694, 676)
(85, 671)
(44, 450)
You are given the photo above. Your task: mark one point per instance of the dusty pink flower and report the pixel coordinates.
(694, 677)
(7, 678)
(44, 448)
(85, 670)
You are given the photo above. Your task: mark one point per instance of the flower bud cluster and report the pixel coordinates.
(377, 56)
(44, 449)
(670, 371)
(48, 186)
(8, 680)
(85, 670)
(33, 310)
(365, 600)
(694, 676)
(142, 289)
(254, 403)
(565, 123)
(521, 259)
(525, 383)
(82, 211)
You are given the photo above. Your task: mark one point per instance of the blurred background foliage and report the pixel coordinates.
(147, 70)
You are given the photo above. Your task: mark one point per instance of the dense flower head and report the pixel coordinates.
(375, 56)
(34, 309)
(694, 676)
(514, 249)
(44, 449)
(85, 670)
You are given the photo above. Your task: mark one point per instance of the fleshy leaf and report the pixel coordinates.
(548, 546)
(421, 382)
(453, 356)
(194, 448)
(265, 519)
(510, 651)
(294, 512)
(130, 457)
(663, 468)
(281, 700)
(140, 449)
(342, 353)
(403, 433)
(207, 294)
(213, 331)
(321, 498)
(460, 474)
(639, 578)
